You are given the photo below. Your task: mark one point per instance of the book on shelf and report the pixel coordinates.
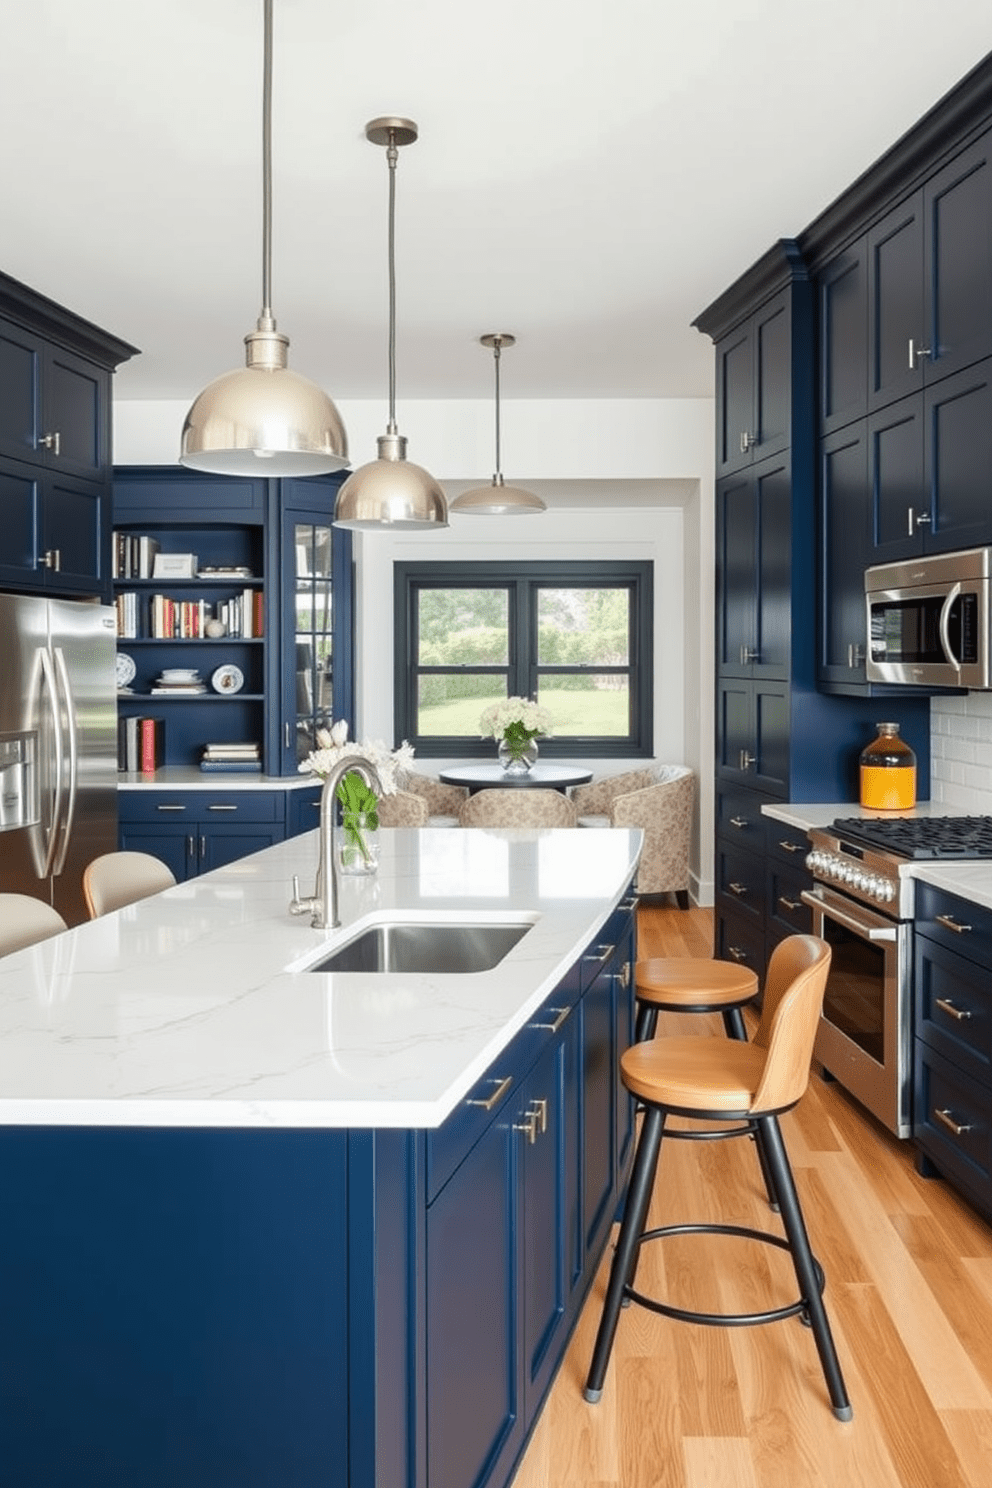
(231, 766)
(234, 756)
(226, 751)
(140, 744)
(133, 555)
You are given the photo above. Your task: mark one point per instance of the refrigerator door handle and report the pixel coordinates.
(51, 690)
(70, 746)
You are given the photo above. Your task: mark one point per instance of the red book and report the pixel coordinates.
(151, 744)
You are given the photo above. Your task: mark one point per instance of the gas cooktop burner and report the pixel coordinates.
(922, 837)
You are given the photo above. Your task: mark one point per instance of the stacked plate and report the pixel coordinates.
(179, 680)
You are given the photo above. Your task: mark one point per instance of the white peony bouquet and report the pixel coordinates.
(333, 745)
(516, 721)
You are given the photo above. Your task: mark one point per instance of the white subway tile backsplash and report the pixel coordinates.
(961, 752)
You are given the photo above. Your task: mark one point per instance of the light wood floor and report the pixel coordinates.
(909, 1294)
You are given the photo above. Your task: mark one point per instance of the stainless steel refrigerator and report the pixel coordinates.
(58, 746)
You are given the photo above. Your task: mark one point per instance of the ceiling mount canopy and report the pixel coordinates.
(263, 419)
(497, 499)
(391, 491)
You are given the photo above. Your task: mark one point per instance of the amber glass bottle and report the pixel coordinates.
(888, 771)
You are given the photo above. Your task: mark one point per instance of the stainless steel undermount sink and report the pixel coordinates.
(430, 949)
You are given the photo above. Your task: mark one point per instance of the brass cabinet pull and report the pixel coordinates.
(946, 1119)
(502, 1086)
(559, 1014)
(952, 1012)
(540, 1108)
(529, 1125)
(950, 923)
(602, 954)
(739, 822)
(793, 847)
(789, 903)
(623, 975)
(737, 953)
(51, 442)
(738, 888)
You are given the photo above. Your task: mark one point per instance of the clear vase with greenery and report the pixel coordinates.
(516, 724)
(358, 840)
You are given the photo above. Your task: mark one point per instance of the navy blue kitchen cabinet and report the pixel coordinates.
(952, 1063)
(778, 736)
(842, 368)
(927, 458)
(754, 401)
(195, 831)
(55, 442)
(845, 553)
(293, 569)
(929, 290)
(321, 1308)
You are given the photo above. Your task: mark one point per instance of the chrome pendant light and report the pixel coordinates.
(391, 491)
(497, 499)
(262, 419)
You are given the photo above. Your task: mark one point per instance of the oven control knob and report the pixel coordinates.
(888, 892)
(873, 886)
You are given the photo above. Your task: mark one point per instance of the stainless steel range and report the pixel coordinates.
(863, 908)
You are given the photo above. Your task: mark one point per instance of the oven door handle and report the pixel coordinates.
(945, 627)
(849, 918)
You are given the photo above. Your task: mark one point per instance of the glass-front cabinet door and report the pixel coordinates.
(316, 685)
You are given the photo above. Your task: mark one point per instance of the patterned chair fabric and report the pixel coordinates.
(402, 809)
(516, 807)
(660, 801)
(443, 801)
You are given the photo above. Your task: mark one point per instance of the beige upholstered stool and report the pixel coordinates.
(721, 1080)
(690, 984)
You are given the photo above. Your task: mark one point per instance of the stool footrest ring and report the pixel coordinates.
(722, 1319)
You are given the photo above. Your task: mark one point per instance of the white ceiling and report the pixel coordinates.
(590, 174)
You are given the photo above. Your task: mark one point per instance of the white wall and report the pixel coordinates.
(608, 463)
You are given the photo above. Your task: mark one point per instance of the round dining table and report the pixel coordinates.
(539, 777)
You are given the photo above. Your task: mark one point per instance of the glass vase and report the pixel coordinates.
(357, 844)
(517, 759)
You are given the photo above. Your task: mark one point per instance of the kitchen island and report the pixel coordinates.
(265, 1225)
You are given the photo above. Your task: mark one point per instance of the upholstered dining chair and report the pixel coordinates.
(403, 809)
(517, 808)
(24, 921)
(659, 800)
(443, 801)
(118, 878)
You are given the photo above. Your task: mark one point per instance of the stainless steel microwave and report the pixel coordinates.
(929, 620)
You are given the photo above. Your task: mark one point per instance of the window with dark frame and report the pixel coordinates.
(577, 636)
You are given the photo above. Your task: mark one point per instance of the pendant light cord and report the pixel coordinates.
(265, 322)
(498, 477)
(392, 155)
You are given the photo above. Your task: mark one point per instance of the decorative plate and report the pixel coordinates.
(126, 669)
(227, 679)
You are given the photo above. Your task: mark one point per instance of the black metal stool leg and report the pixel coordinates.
(733, 1022)
(647, 1022)
(628, 1244)
(770, 1142)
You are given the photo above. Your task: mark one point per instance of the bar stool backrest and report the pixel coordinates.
(118, 878)
(794, 988)
(25, 920)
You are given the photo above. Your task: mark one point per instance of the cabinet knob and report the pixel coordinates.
(916, 352)
(51, 442)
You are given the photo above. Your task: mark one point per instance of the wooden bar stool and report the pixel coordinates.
(723, 1080)
(692, 984)
(695, 984)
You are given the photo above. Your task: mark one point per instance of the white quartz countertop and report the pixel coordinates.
(194, 1008)
(972, 880)
(191, 777)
